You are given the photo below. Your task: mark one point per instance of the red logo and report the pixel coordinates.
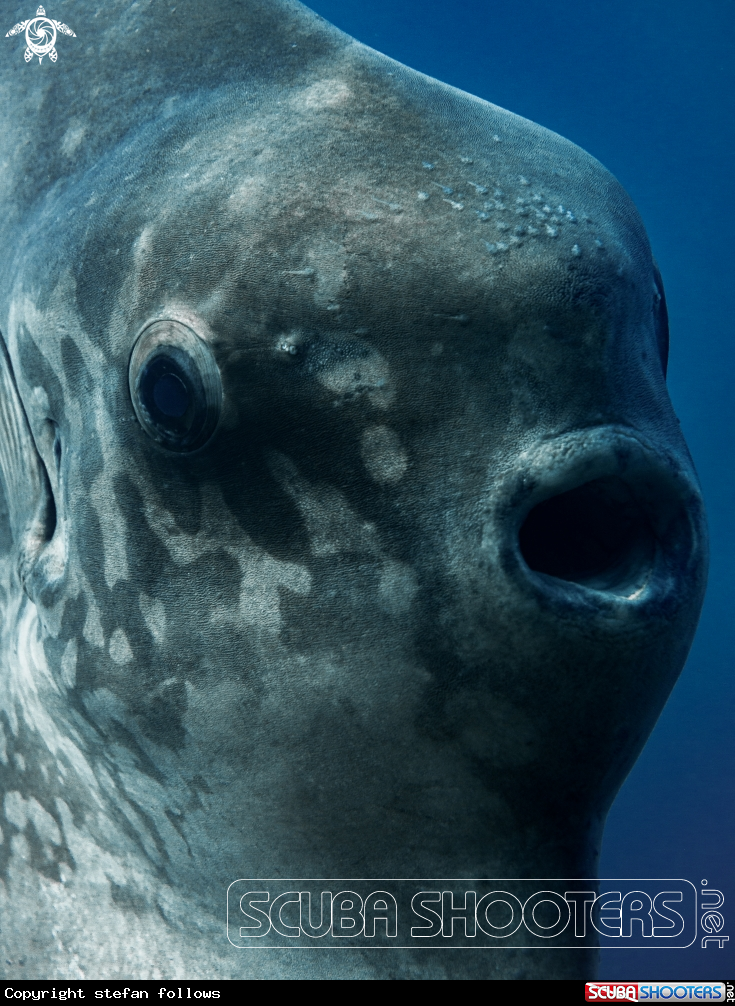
(607, 991)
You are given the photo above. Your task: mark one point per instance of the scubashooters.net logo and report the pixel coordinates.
(460, 913)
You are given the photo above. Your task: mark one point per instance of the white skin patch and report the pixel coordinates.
(103, 498)
(368, 375)
(15, 810)
(39, 398)
(397, 587)
(120, 647)
(142, 247)
(154, 616)
(323, 94)
(328, 260)
(69, 664)
(72, 138)
(92, 630)
(382, 455)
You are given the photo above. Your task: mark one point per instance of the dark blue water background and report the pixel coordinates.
(648, 87)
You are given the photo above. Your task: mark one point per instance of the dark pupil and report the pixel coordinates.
(171, 395)
(168, 394)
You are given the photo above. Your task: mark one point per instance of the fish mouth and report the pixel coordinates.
(603, 511)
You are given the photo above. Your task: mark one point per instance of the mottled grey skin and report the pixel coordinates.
(314, 647)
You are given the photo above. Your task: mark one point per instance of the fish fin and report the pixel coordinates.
(28, 494)
(661, 318)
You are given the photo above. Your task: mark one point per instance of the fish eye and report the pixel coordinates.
(175, 386)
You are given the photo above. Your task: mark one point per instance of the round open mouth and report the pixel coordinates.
(597, 535)
(605, 510)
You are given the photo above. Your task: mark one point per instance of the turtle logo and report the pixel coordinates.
(40, 35)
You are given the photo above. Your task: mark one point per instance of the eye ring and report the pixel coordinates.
(175, 386)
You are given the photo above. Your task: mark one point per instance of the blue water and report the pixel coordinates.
(648, 87)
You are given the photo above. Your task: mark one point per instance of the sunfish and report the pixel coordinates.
(350, 530)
